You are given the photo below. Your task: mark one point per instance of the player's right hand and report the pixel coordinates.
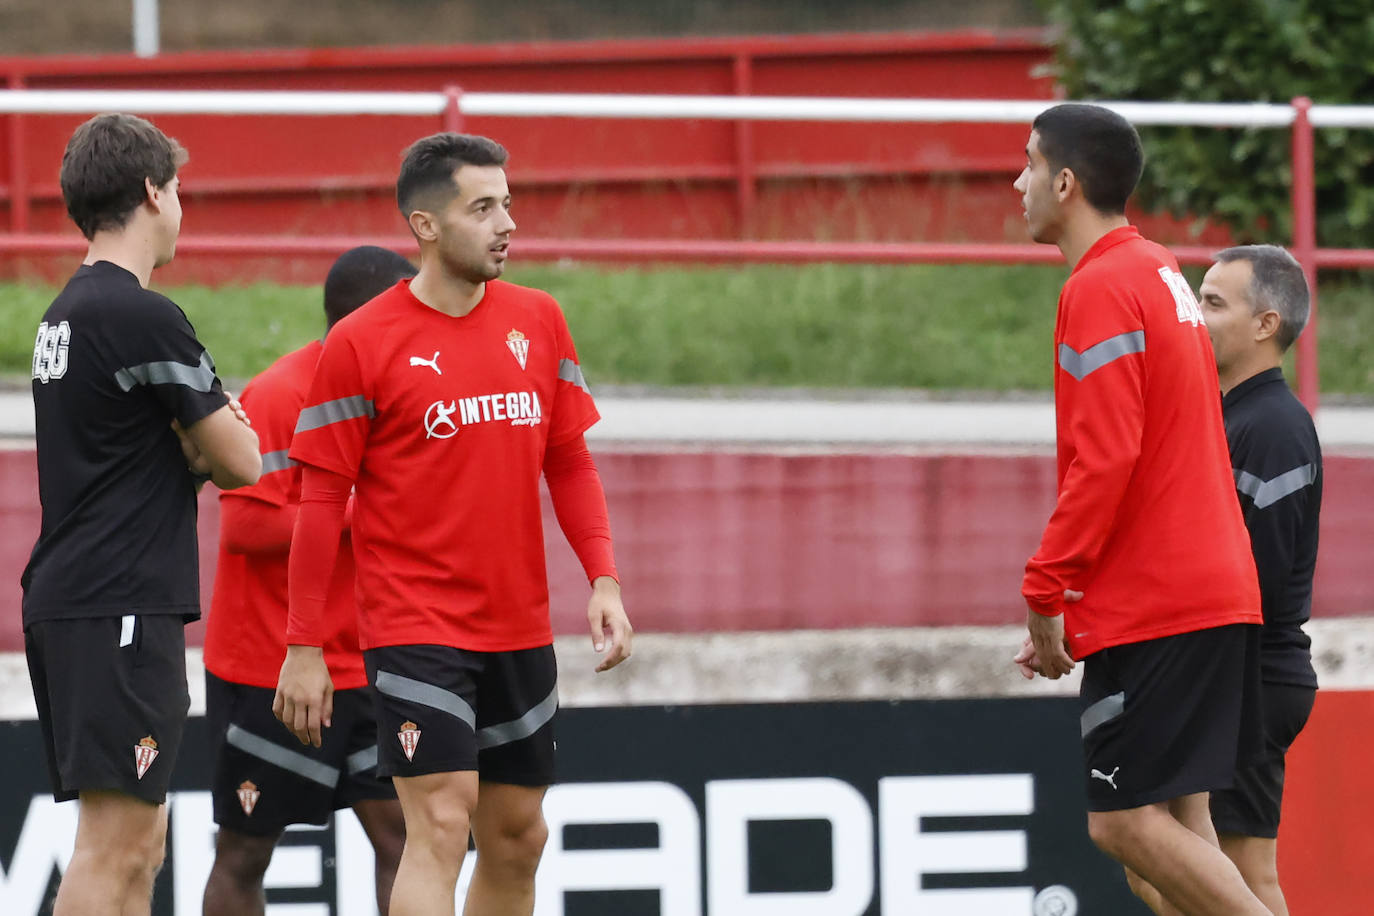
(1027, 661)
(305, 694)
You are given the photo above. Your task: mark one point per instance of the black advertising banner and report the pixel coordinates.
(912, 808)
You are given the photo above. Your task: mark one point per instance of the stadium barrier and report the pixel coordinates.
(576, 178)
(453, 105)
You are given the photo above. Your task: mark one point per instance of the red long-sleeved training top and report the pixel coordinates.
(1146, 524)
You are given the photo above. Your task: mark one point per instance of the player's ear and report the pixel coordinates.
(1064, 184)
(152, 195)
(423, 224)
(1266, 325)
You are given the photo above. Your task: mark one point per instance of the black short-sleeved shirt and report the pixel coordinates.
(1278, 466)
(113, 365)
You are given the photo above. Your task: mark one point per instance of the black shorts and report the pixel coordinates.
(1170, 717)
(443, 710)
(112, 701)
(1251, 806)
(265, 779)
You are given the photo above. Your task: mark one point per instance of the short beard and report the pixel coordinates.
(473, 273)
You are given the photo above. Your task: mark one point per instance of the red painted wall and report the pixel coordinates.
(1325, 842)
(727, 541)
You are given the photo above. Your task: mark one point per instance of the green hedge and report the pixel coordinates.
(1233, 51)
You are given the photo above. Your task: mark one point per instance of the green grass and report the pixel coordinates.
(820, 326)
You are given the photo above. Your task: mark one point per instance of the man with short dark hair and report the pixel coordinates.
(442, 402)
(1255, 299)
(263, 779)
(1144, 571)
(130, 418)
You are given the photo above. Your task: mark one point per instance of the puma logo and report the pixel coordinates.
(1109, 780)
(432, 363)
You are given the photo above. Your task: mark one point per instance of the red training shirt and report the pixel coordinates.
(1147, 524)
(442, 422)
(245, 637)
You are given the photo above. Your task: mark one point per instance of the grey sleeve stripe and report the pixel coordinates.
(521, 728)
(278, 756)
(199, 378)
(404, 688)
(1082, 365)
(275, 461)
(1267, 492)
(362, 761)
(335, 411)
(1102, 712)
(570, 371)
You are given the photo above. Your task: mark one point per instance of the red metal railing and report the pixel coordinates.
(453, 102)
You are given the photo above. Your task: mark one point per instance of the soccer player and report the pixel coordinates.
(263, 779)
(130, 416)
(1255, 300)
(1144, 570)
(442, 401)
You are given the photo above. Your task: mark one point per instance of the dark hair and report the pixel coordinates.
(358, 275)
(429, 165)
(105, 164)
(1277, 283)
(1098, 145)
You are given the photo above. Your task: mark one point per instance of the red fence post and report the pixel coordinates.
(1305, 244)
(746, 193)
(19, 188)
(453, 109)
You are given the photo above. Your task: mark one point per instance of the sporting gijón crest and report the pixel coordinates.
(409, 736)
(519, 346)
(145, 752)
(248, 796)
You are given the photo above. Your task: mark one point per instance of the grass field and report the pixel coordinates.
(968, 327)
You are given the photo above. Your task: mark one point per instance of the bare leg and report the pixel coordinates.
(1147, 894)
(234, 887)
(385, 826)
(1190, 873)
(1257, 859)
(510, 832)
(1193, 812)
(438, 809)
(139, 902)
(120, 843)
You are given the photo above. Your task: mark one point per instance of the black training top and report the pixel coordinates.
(113, 365)
(1278, 466)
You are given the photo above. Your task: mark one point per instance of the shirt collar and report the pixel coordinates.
(1108, 241)
(1253, 382)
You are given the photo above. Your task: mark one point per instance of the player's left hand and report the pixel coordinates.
(606, 615)
(239, 413)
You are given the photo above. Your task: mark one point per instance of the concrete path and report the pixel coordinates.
(880, 420)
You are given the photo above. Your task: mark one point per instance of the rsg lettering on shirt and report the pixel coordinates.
(520, 408)
(50, 351)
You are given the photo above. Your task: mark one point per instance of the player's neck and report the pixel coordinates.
(129, 248)
(1246, 369)
(446, 293)
(1083, 232)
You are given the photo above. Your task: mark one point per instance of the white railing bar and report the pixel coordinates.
(1342, 115)
(512, 104)
(599, 105)
(81, 101)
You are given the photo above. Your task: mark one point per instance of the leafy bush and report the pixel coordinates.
(1233, 51)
